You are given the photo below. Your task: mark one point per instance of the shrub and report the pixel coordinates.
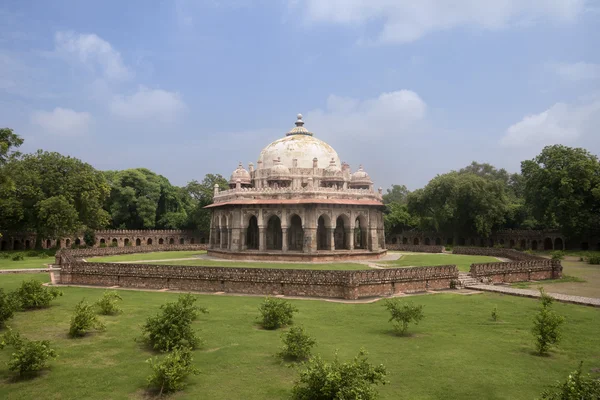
(495, 314)
(17, 257)
(557, 255)
(297, 344)
(172, 326)
(114, 244)
(576, 387)
(108, 303)
(89, 237)
(546, 325)
(29, 356)
(7, 307)
(32, 294)
(336, 380)
(102, 245)
(594, 260)
(33, 253)
(402, 313)
(170, 372)
(276, 313)
(528, 251)
(84, 319)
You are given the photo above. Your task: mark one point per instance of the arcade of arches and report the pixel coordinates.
(298, 230)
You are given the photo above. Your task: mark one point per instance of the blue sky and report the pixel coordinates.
(408, 89)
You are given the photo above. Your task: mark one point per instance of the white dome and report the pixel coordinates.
(242, 174)
(361, 177)
(299, 144)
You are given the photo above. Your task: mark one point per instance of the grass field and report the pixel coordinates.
(456, 352)
(26, 263)
(463, 262)
(156, 255)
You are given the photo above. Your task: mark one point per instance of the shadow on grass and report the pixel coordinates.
(27, 376)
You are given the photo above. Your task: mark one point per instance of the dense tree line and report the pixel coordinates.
(56, 195)
(558, 189)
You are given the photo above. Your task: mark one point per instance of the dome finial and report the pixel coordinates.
(299, 129)
(299, 121)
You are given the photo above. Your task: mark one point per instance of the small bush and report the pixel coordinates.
(33, 253)
(33, 294)
(297, 344)
(276, 313)
(7, 307)
(102, 245)
(17, 257)
(172, 326)
(495, 314)
(29, 356)
(546, 325)
(352, 380)
(557, 255)
(108, 303)
(402, 313)
(114, 244)
(170, 372)
(576, 387)
(83, 320)
(528, 251)
(594, 260)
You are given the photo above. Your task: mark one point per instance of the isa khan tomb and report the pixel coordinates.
(299, 203)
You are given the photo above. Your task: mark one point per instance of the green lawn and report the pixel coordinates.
(27, 262)
(456, 352)
(463, 262)
(157, 255)
(314, 266)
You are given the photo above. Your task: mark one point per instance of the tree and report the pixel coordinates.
(29, 356)
(461, 203)
(202, 195)
(397, 218)
(546, 325)
(172, 326)
(297, 344)
(7, 307)
(403, 313)
(577, 387)
(170, 372)
(9, 141)
(397, 194)
(83, 320)
(276, 313)
(56, 218)
(354, 380)
(108, 303)
(32, 294)
(562, 188)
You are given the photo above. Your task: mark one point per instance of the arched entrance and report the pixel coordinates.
(322, 236)
(416, 241)
(523, 244)
(295, 234)
(48, 243)
(534, 245)
(274, 234)
(547, 244)
(102, 241)
(512, 243)
(115, 243)
(68, 243)
(360, 234)
(438, 241)
(252, 234)
(77, 242)
(342, 224)
(181, 241)
(161, 241)
(404, 241)
(171, 241)
(558, 244)
(427, 241)
(149, 242)
(138, 242)
(126, 242)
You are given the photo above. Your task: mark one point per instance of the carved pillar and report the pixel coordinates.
(244, 239)
(331, 236)
(350, 237)
(284, 239)
(229, 238)
(262, 238)
(220, 237)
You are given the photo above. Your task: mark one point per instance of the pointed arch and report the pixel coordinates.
(274, 233)
(252, 233)
(295, 233)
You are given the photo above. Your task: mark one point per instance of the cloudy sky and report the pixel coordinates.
(410, 89)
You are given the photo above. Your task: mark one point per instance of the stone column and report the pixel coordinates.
(220, 237)
(262, 238)
(229, 238)
(310, 240)
(350, 238)
(284, 239)
(331, 236)
(244, 239)
(373, 239)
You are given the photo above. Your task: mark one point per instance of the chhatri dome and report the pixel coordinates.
(298, 144)
(300, 203)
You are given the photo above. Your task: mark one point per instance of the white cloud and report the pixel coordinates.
(147, 103)
(62, 121)
(390, 113)
(94, 52)
(579, 71)
(407, 20)
(560, 124)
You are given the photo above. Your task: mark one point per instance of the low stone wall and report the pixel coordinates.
(115, 251)
(511, 254)
(517, 271)
(258, 281)
(416, 248)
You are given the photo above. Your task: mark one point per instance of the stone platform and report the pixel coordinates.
(319, 256)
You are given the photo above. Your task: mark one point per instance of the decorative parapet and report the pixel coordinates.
(416, 248)
(510, 254)
(318, 192)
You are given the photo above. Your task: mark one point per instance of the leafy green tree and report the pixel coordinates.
(108, 303)
(402, 313)
(275, 313)
(83, 320)
(29, 356)
(9, 141)
(577, 387)
(172, 326)
(546, 325)
(562, 189)
(397, 218)
(202, 194)
(396, 194)
(297, 344)
(89, 237)
(354, 380)
(33, 294)
(56, 217)
(169, 372)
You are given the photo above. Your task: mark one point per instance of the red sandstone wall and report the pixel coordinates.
(517, 271)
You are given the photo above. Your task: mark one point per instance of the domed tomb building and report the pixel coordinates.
(299, 203)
